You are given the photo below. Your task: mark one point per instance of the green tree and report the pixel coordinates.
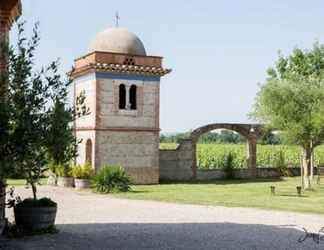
(61, 143)
(36, 112)
(292, 101)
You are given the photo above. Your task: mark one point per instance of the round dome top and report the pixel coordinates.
(118, 40)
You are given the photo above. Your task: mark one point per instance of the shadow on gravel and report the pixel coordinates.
(167, 236)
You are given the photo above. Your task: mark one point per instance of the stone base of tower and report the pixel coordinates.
(136, 151)
(144, 175)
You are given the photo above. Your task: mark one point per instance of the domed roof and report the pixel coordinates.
(118, 40)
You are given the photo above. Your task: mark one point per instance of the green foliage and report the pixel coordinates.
(111, 179)
(280, 163)
(174, 138)
(292, 99)
(35, 120)
(63, 170)
(223, 136)
(43, 202)
(270, 138)
(84, 171)
(229, 166)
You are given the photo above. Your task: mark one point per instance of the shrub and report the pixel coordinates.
(111, 179)
(281, 164)
(63, 170)
(43, 202)
(229, 165)
(84, 171)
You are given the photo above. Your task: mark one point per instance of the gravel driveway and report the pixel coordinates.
(91, 221)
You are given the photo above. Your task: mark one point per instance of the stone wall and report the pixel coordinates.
(146, 115)
(136, 151)
(87, 85)
(176, 165)
(216, 174)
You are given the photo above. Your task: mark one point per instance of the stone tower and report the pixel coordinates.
(122, 88)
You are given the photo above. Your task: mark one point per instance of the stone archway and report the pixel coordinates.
(250, 131)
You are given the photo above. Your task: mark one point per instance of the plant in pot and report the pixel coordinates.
(29, 98)
(82, 175)
(51, 174)
(64, 174)
(33, 103)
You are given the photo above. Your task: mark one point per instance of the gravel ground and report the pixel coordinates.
(92, 221)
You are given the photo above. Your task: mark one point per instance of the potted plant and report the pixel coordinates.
(35, 127)
(34, 214)
(64, 174)
(82, 175)
(52, 176)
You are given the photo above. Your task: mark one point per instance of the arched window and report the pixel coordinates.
(88, 157)
(122, 96)
(132, 97)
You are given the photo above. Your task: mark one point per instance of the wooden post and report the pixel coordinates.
(251, 155)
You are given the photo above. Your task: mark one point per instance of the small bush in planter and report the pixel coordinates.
(64, 173)
(111, 179)
(82, 171)
(82, 175)
(229, 165)
(51, 175)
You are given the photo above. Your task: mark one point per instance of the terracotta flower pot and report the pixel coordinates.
(65, 181)
(82, 183)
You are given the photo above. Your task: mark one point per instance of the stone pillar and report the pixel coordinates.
(9, 11)
(128, 105)
(251, 155)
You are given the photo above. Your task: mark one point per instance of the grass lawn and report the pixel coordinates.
(21, 182)
(236, 193)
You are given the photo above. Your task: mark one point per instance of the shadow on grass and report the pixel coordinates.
(293, 195)
(168, 236)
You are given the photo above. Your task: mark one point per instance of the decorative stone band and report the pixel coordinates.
(120, 68)
(139, 129)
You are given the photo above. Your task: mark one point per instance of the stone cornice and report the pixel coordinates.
(120, 68)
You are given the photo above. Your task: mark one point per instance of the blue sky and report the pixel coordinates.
(219, 50)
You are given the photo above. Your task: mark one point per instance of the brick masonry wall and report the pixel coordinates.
(136, 151)
(176, 165)
(89, 88)
(84, 136)
(109, 114)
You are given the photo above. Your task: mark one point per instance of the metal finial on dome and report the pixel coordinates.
(117, 19)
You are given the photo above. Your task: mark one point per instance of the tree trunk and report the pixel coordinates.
(312, 163)
(307, 157)
(33, 185)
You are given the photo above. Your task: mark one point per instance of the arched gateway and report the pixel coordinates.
(250, 131)
(181, 163)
